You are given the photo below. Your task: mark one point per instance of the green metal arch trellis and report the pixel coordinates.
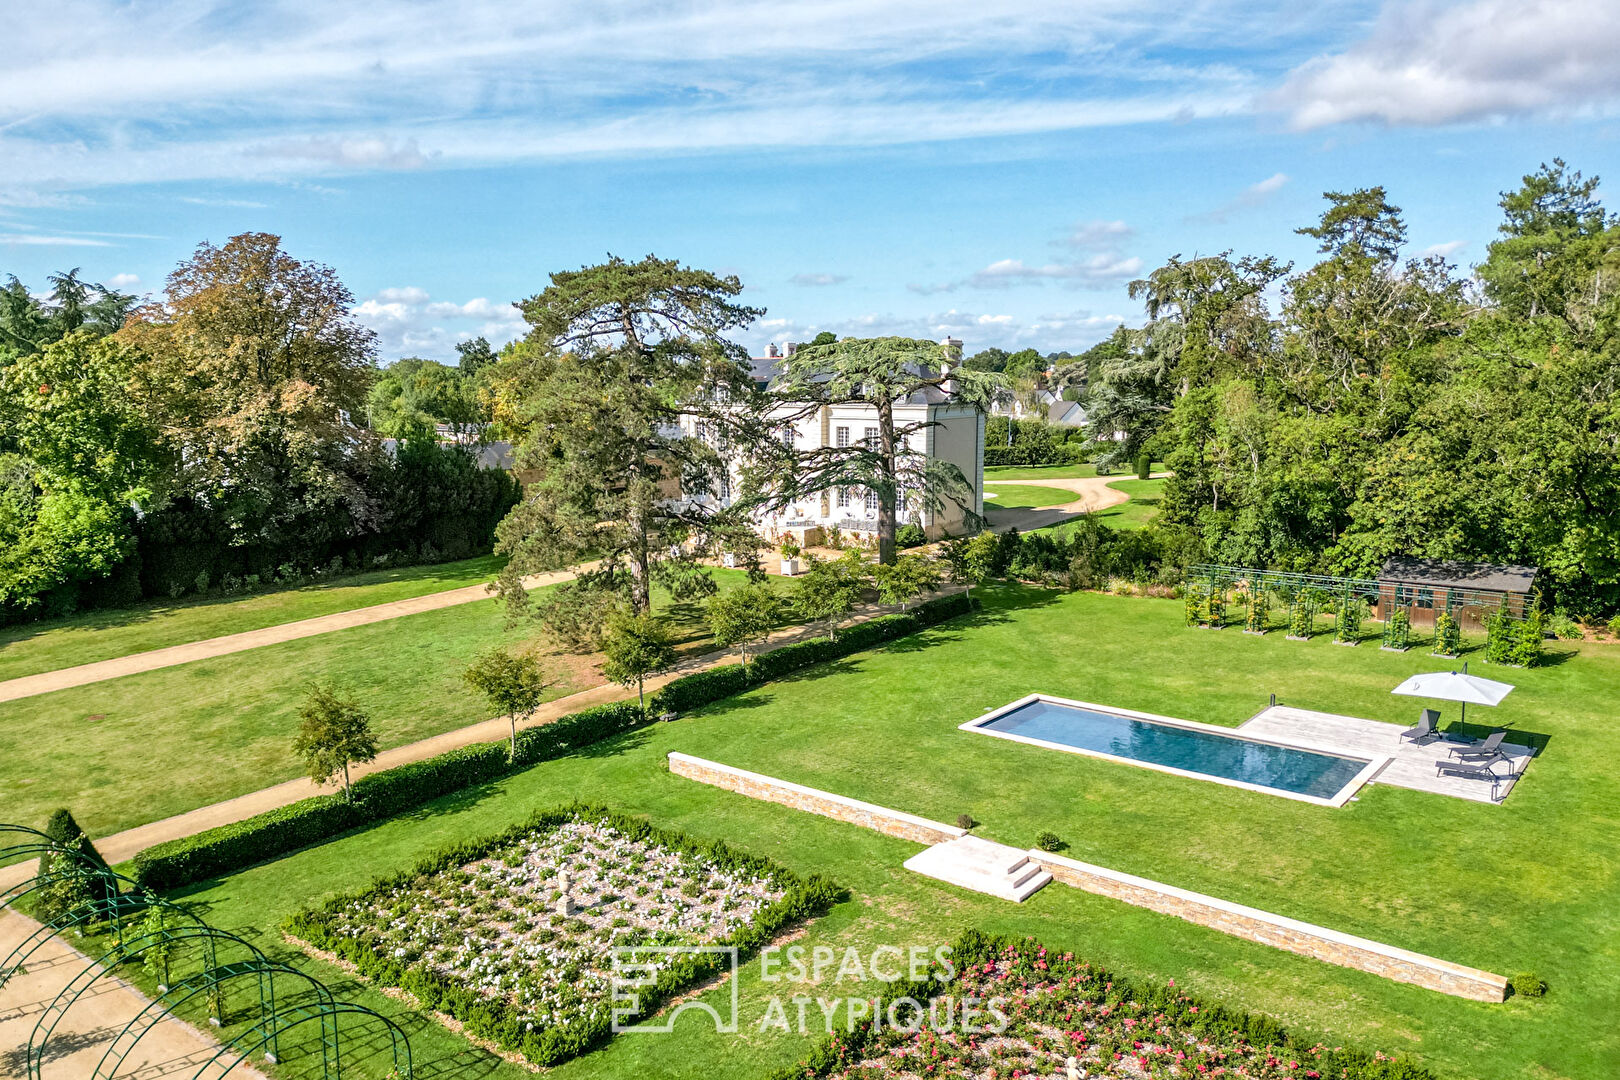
(116, 902)
(205, 982)
(267, 1031)
(122, 953)
(112, 909)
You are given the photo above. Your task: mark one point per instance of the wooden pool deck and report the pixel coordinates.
(1411, 764)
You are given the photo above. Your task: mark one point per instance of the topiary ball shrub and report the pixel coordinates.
(1050, 841)
(965, 821)
(1528, 984)
(909, 536)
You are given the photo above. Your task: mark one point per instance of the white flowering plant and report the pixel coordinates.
(485, 932)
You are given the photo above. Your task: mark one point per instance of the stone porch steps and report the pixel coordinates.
(983, 866)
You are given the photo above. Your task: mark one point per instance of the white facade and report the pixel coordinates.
(954, 434)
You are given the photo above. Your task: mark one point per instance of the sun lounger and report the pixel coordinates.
(1470, 769)
(1425, 726)
(1488, 748)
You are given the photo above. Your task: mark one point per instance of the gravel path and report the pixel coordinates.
(63, 678)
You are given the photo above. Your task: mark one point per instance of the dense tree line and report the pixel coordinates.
(214, 438)
(1390, 405)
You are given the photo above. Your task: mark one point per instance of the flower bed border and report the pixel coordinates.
(496, 1020)
(975, 947)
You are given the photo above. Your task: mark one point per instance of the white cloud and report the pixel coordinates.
(1445, 250)
(308, 87)
(818, 279)
(1256, 194)
(1099, 234)
(43, 240)
(240, 204)
(1427, 64)
(409, 322)
(124, 282)
(351, 152)
(1102, 270)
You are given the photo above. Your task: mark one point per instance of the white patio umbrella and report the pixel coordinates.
(1455, 686)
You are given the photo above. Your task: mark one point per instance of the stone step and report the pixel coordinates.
(982, 866)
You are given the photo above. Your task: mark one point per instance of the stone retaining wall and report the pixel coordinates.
(1317, 942)
(769, 789)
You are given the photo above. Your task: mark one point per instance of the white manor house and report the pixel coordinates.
(955, 434)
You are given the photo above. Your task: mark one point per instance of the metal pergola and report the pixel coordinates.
(114, 902)
(1210, 586)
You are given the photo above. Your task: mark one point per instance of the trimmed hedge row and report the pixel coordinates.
(494, 1018)
(381, 795)
(974, 948)
(704, 687)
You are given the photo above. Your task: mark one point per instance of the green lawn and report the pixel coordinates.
(143, 747)
(1009, 496)
(102, 635)
(1142, 508)
(1528, 885)
(1043, 472)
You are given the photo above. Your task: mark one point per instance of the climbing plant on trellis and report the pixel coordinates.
(1259, 600)
(1397, 631)
(1347, 622)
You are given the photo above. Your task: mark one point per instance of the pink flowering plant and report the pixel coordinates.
(1066, 1017)
(481, 931)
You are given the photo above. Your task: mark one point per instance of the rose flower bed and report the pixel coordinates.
(476, 932)
(1065, 1017)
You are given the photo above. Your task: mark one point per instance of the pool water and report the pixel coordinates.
(1230, 757)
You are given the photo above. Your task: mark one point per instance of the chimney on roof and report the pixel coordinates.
(952, 348)
(792, 347)
(772, 351)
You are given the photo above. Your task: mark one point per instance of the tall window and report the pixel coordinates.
(900, 501)
(871, 501)
(843, 498)
(871, 439)
(842, 436)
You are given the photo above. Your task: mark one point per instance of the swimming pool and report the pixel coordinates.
(1180, 747)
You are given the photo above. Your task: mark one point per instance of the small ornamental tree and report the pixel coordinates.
(515, 685)
(69, 881)
(637, 646)
(334, 732)
(972, 560)
(829, 589)
(744, 616)
(911, 575)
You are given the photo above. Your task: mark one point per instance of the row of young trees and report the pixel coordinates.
(1389, 405)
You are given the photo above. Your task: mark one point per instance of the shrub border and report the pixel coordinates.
(496, 1019)
(226, 849)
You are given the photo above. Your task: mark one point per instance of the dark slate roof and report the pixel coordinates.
(1458, 575)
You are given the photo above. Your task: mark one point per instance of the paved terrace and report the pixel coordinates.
(1411, 763)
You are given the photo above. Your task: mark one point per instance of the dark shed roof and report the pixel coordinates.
(1446, 574)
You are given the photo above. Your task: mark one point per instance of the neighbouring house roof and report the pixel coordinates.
(1065, 412)
(1446, 574)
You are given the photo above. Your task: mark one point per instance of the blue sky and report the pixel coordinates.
(924, 167)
